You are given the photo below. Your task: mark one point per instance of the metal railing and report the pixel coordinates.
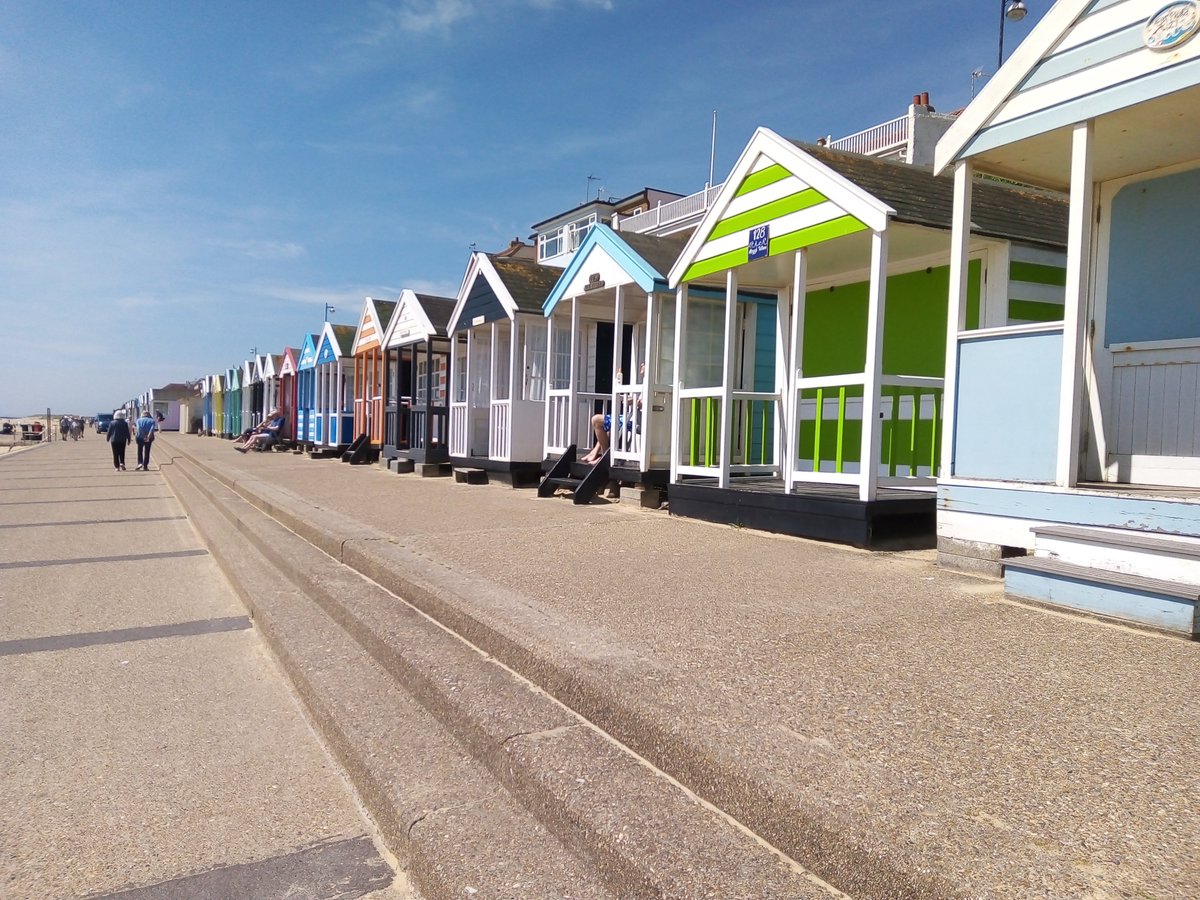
(667, 213)
(878, 139)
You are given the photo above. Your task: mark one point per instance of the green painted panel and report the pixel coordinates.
(1035, 273)
(762, 178)
(815, 234)
(767, 212)
(1032, 311)
(720, 263)
(914, 335)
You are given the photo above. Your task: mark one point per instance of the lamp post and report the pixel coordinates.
(329, 309)
(1014, 11)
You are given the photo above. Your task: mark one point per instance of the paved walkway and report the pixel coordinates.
(149, 747)
(1023, 751)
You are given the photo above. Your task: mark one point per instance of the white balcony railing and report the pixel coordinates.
(877, 140)
(666, 214)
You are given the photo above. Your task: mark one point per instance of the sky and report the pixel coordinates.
(183, 183)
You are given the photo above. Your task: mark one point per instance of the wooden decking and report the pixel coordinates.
(896, 519)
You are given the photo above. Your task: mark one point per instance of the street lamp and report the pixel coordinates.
(1014, 11)
(329, 309)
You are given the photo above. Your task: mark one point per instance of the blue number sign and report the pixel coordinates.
(760, 241)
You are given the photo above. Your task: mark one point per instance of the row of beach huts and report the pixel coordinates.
(979, 331)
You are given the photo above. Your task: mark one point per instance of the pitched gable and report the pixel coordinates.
(1085, 59)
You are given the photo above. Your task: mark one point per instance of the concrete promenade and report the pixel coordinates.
(863, 713)
(150, 748)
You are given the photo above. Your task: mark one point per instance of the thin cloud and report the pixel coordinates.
(264, 250)
(426, 16)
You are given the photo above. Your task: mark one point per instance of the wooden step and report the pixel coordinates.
(465, 475)
(1156, 602)
(1133, 540)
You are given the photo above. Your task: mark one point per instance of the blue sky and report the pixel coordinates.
(182, 182)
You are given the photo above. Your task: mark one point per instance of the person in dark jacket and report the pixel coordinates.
(119, 436)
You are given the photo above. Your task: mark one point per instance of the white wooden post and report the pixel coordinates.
(468, 416)
(573, 385)
(783, 330)
(677, 381)
(649, 379)
(547, 406)
(1079, 252)
(872, 430)
(799, 288)
(956, 312)
(723, 449)
(618, 343)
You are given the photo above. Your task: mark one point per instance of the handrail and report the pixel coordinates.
(667, 213)
(877, 139)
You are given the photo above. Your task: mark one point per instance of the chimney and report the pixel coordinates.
(925, 100)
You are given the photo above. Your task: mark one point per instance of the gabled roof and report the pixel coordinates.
(336, 342)
(808, 194)
(269, 365)
(307, 357)
(288, 362)
(250, 371)
(372, 324)
(216, 384)
(513, 285)
(418, 317)
(1085, 59)
(233, 377)
(642, 259)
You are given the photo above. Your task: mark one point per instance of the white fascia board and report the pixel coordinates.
(464, 290)
(844, 193)
(1001, 86)
(409, 304)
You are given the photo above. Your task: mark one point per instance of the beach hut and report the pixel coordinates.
(417, 362)
(233, 402)
(1073, 445)
(268, 368)
(306, 391)
(335, 386)
(609, 350)
(252, 392)
(497, 374)
(287, 399)
(369, 382)
(216, 386)
(810, 330)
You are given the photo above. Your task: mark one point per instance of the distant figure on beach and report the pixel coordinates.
(145, 429)
(64, 427)
(118, 439)
(76, 429)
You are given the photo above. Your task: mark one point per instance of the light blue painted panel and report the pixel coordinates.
(1153, 514)
(1099, 5)
(1080, 109)
(1007, 407)
(1154, 261)
(1127, 40)
(1160, 611)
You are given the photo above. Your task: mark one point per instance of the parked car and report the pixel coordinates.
(103, 420)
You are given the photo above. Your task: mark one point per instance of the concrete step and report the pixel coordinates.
(637, 832)
(452, 825)
(464, 475)
(583, 671)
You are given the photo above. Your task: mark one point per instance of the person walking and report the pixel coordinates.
(118, 439)
(144, 431)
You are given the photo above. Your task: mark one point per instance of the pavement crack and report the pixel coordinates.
(430, 813)
(544, 733)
